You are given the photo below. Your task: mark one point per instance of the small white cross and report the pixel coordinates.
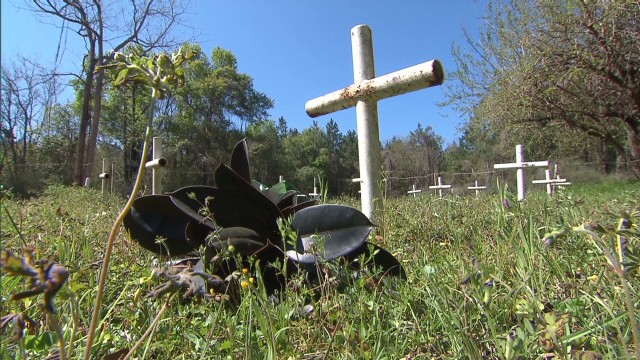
(477, 188)
(414, 191)
(156, 165)
(520, 164)
(438, 188)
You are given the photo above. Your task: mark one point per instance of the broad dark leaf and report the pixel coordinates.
(287, 199)
(154, 216)
(240, 160)
(236, 203)
(246, 241)
(290, 210)
(382, 259)
(328, 231)
(192, 199)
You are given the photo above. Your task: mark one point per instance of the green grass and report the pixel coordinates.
(481, 283)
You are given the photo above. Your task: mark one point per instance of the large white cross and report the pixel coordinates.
(364, 95)
(520, 164)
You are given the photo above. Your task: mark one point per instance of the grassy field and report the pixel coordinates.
(483, 281)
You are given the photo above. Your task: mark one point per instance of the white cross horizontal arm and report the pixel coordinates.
(561, 183)
(552, 181)
(414, 78)
(476, 188)
(522, 165)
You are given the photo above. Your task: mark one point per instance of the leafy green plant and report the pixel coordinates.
(161, 73)
(613, 243)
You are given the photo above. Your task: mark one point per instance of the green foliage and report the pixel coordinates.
(554, 76)
(561, 299)
(420, 155)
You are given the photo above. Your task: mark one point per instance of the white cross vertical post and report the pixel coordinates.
(561, 182)
(414, 191)
(104, 175)
(113, 168)
(477, 188)
(364, 94)
(315, 189)
(520, 164)
(155, 165)
(438, 188)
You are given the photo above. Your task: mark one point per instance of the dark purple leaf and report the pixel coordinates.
(328, 231)
(154, 216)
(236, 203)
(382, 259)
(240, 160)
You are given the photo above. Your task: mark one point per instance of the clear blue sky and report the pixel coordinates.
(297, 50)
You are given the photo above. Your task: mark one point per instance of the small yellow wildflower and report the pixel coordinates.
(212, 291)
(244, 284)
(251, 280)
(245, 271)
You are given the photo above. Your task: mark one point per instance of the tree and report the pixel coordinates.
(308, 154)
(203, 120)
(124, 113)
(572, 66)
(108, 25)
(412, 160)
(56, 146)
(27, 92)
(265, 151)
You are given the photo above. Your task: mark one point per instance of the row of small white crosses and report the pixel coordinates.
(439, 188)
(156, 164)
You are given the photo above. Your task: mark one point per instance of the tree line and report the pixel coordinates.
(560, 77)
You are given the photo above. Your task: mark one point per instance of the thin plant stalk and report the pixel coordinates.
(151, 328)
(74, 317)
(115, 229)
(61, 345)
(625, 285)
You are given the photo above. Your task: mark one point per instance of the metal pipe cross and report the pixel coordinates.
(156, 165)
(549, 181)
(438, 188)
(520, 164)
(364, 94)
(414, 191)
(476, 188)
